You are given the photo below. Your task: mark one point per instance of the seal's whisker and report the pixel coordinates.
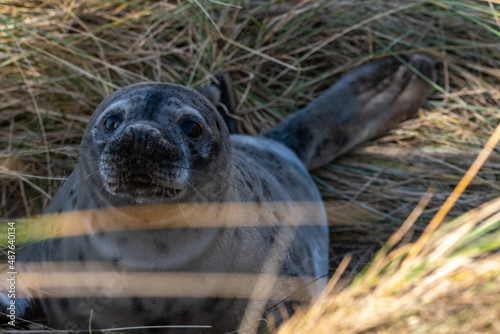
(163, 193)
(81, 179)
(194, 188)
(157, 185)
(123, 181)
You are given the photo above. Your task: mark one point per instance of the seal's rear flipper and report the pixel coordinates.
(220, 93)
(366, 102)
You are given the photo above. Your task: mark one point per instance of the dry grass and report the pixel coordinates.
(451, 286)
(59, 59)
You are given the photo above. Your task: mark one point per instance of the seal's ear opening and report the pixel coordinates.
(220, 93)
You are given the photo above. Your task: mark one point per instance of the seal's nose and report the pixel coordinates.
(140, 134)
(143, 134)
(141, 140)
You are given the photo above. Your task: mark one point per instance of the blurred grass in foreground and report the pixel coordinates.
(451, 286)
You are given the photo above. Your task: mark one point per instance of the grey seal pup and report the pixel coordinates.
(168, 220)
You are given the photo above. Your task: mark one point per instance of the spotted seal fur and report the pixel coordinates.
(159, 143)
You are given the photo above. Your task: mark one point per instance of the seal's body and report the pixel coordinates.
(266, 239)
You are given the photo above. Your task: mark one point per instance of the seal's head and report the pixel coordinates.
(155, 142)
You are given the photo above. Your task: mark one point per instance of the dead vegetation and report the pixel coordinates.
(59, 59)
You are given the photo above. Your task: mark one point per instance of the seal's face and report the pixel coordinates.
(153, 144)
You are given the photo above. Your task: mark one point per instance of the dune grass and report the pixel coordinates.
(59, 59)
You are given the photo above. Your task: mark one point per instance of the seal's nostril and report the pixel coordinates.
(140, 135)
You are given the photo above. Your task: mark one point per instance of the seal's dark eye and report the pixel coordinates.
(112, 122)
(191, 128)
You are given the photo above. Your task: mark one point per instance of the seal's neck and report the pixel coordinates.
(218, 187)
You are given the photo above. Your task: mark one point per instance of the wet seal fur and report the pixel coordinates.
(159, 143)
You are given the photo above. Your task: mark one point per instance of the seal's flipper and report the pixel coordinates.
(367, 101)
(220, 93)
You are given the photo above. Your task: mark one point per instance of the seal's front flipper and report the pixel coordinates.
(220, 93)
(366, 102)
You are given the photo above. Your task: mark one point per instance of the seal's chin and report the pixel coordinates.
(144, 190)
